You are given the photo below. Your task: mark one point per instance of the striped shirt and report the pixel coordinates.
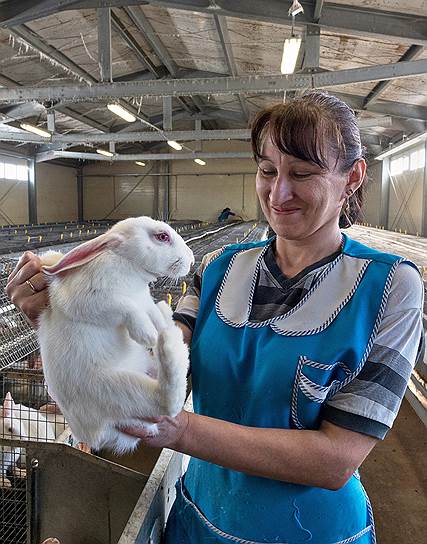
(369, 404)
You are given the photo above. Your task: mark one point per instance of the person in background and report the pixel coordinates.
(301, 348)
(225, 214)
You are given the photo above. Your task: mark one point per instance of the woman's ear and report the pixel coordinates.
(356, 176)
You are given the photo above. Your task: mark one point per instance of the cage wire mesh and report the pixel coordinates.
(27, 413)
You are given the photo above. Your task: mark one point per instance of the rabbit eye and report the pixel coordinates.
(162, 237)
(10, 430)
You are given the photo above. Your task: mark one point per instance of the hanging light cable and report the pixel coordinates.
(291, 45)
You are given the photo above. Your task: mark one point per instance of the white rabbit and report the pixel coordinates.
(95, 335)
(19, 422)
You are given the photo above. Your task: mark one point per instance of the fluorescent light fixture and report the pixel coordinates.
(140, 163)
(199, 161)
(122, 112)
(104, 152)
(400, 147)
(174, 145)
(295, 8)
(290, 55)
(36, 130)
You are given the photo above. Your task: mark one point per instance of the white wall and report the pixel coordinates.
(221, 183)
(56, 193)
(13, 196)
(109, 193)
(406, 197)
(195, 192)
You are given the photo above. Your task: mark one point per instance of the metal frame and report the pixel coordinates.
(121, 137)
(49, 155)
(209, 86)
(104, 45)
(411, 54)
(222, 29)
(345, 19)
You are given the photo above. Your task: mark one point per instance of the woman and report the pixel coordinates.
(301, 348)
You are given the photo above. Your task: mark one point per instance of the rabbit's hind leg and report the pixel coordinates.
(172, 355)
(118, 441)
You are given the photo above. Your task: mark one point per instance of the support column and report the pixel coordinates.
(424, 214)
(32, 192)
(166, 171)
(385, 192)
(104, 44)
(167, 113)
(79, 176)
(312, 49)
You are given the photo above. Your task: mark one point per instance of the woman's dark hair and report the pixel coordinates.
(312, 128)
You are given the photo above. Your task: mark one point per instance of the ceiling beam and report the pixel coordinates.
(139, 19)
(137, 16)
(121, 137)
(49, 155)
(411, 54)
(317, 11)
(209, 86)
(224, 36)
(29, 37)
(385, 107)
(62, 61)
(343, 19)
(104, 45)
(15, 12)
(130, 41)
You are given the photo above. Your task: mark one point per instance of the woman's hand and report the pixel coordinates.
(170, 435)
(26, 287)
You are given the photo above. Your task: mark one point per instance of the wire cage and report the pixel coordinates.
(27, 414)
(36, 463)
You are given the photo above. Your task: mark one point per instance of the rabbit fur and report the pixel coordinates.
(111, 355)
(19, 422)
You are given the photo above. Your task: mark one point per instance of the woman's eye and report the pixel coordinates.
(162, 237)
(267, 173)
(302, 175)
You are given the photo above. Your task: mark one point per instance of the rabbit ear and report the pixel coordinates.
(7, 406)
(84, 253)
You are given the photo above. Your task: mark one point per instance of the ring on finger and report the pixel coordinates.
(31, 286)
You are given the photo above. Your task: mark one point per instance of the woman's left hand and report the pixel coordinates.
(171, 431)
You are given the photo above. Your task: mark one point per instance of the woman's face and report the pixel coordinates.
(297, 197)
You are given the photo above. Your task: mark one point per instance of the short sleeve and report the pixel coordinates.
(188, 305)
(369, 404)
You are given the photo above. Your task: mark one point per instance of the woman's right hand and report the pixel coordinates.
(27, 287)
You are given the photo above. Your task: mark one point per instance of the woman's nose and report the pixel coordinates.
(281, 190)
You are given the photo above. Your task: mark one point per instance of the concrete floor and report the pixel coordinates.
(395, 477)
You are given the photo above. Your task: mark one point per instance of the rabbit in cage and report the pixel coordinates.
(19, 422)
(111, 355)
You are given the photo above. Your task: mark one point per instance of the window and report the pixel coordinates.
(396, 166)
(411, 161)
(21, 172)
(10, 170)
(418, 158)
(14, 169)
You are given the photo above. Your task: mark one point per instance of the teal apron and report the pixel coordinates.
(277, 374)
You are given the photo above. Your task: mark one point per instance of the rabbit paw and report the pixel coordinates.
(166, 311)
(142, 330)
(151, 429)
